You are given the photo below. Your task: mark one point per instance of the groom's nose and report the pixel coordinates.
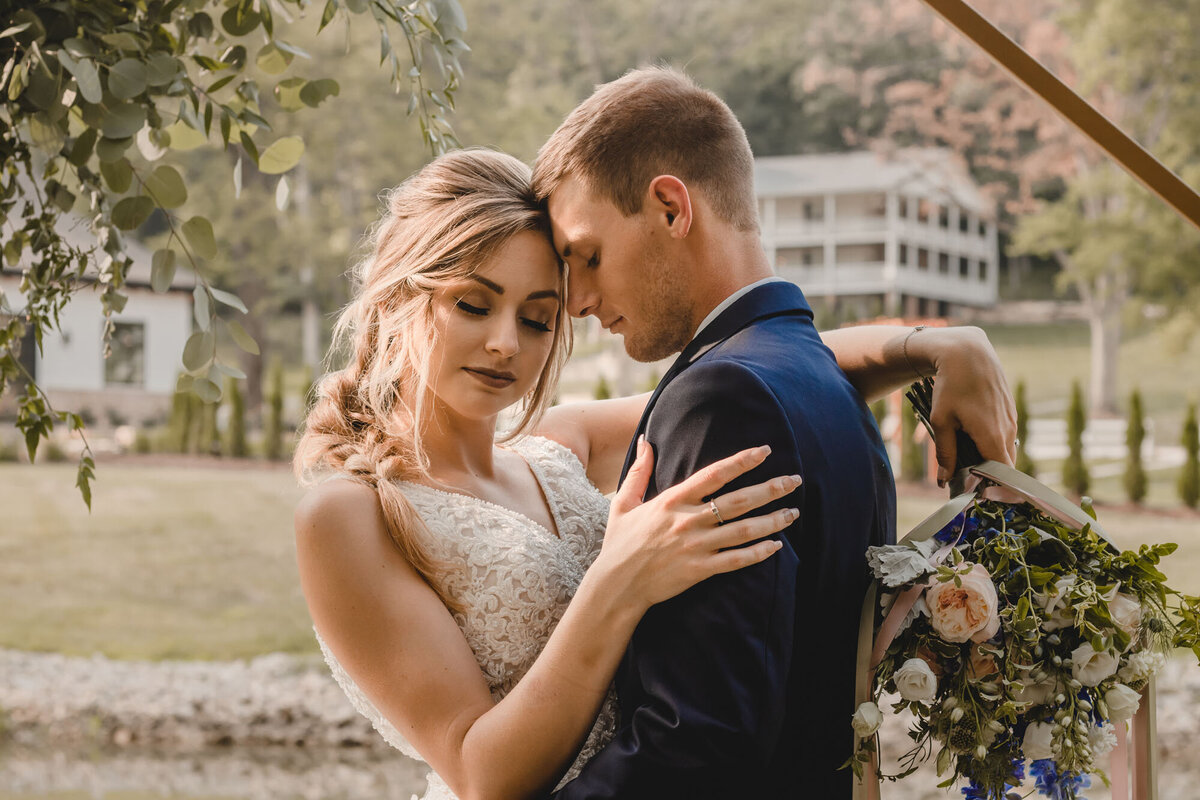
(582, 298)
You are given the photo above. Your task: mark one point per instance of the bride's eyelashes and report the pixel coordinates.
(537, 325)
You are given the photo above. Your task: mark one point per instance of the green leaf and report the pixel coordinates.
(185, 137)
(273, 60)
(14, 30)
(221, 83)
(240, 20)
(81, 150)
(230, 299)
(112, 149)
(78, 48)
(199, 351)
(237, 179)
(328, 14)
(206, 390)
(282, 193)
(123, 120)
(316, 92)
(153, 143)
(249, 146)
(356, 6)
(161, 69)
(288, 94)
(230, 370)
(162, 269)
(282, 155)
(241, 338)
(62, 197)
(199, 233)
(117, 174)
(86, 77)
(127, 78)
(131, 212)
(167, 187)
(83, 479)
(201, 307)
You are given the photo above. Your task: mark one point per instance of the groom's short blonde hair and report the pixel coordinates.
(653, 121)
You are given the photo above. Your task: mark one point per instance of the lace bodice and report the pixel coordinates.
(514, 581)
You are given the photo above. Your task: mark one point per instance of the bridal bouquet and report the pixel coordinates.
(1020, 643)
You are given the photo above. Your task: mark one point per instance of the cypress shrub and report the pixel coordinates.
(602, 391)
(1189, 476)
(1135, 434)
(879, 410)
(1074, 471)
(180, 423)
(236, 445)
(273, 432)
(1024, 462)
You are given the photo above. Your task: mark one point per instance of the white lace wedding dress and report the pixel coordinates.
(514, 582)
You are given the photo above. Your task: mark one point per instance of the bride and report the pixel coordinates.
(473, 591)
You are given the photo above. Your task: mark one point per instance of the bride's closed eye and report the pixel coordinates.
(478, 311)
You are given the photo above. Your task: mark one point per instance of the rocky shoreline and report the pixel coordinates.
(280, 721)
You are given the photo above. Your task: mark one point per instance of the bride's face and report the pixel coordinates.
(494, 331)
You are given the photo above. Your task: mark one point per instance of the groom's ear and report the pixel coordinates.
(670, 205)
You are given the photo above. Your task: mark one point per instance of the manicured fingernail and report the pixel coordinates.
(641, 445)
(763, 451)
(796, 480)
(792, 513)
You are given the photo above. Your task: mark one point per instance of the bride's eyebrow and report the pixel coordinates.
(551, 293)
(495, 287)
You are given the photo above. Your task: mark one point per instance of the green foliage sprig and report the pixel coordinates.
(86, 84)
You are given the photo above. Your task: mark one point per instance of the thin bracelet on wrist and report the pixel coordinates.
(904, 348)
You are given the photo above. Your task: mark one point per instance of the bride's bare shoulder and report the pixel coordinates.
(337, 505)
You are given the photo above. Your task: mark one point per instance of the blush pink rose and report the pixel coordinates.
(970, 611)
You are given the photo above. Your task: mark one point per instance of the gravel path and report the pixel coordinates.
(278, 727)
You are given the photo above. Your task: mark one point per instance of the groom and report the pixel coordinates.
(742, 686)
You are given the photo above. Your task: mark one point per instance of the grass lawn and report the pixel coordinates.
(1049, 357)
(197, 561)
(173, 562)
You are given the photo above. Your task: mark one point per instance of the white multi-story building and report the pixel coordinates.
(907, 234)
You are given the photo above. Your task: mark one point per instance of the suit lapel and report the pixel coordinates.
(769, 300)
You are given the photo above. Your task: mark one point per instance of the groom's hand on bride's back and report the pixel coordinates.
(664, 546)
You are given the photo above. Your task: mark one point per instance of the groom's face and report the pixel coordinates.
(621, 271)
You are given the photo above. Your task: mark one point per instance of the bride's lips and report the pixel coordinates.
(490, 377)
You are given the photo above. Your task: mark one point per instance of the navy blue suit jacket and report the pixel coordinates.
(743, 686)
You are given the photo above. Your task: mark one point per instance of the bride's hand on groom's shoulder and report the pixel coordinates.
(971, 394)
(656, 549)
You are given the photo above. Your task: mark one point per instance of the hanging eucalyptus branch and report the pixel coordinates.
(87, 84)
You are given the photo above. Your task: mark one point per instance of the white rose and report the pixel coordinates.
(1141, 666)
(915, 681)
(1056, 597)
(1089, 667)
(866, 720)
(1035, 693)
(898, 564)
(1122, 702)
(1061, 618)
(1103, 739)
(1126, 612)
(1037, 744)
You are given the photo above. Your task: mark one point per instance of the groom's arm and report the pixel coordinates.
(712, 664)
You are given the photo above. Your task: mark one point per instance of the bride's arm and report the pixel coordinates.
(392, 634)
(598, 432)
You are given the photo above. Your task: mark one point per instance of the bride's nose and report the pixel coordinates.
(502, 339)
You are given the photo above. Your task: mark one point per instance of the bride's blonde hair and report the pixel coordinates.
(439, 226)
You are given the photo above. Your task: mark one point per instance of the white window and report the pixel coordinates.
(126, 364)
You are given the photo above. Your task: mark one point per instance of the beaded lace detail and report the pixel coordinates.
(514, 581)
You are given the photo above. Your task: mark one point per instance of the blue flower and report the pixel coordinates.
(1055, 785)
(961, 528)
(973, 791)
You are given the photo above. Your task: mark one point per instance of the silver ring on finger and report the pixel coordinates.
(716, 512)
(1016, 442)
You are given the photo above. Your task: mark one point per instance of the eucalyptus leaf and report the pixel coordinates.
(282, 155)
(229, 299)
(161, 69)
(282, 193)
(273, 60)
(202, 307)
(117, 174)
(240, 20)
(131, 212)
(150, 149)
(112, 149)
(127, 78)
(199, 234)
(86, 77)
(237, 179)
(243, 339)
(316, 92)
(184, 137)
(123, 120)
(166, 186)
(206, 390)
(162, 269)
